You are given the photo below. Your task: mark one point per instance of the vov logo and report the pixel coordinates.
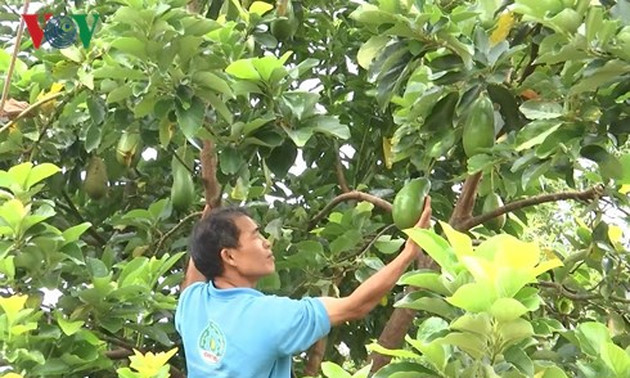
(60, 31)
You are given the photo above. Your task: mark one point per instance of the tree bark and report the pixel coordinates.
(212, 189)
(315, 356)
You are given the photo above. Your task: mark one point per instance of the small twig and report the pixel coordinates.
(174, 229)
(30, 109)
(78, 215)
(536, 200)
(16, 50)
(352, 195)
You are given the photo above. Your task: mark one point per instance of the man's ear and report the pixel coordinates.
(227, 256)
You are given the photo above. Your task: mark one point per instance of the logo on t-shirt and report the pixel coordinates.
(212, 343)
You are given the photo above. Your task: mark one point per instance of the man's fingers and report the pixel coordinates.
(426, 213)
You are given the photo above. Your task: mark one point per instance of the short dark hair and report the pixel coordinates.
(210, 235)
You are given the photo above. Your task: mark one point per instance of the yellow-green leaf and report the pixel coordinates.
(507, 309)
(149, 364)
(12, 306)
(461, 243)
(260, 7)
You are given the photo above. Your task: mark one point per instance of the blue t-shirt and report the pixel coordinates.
(231, 333)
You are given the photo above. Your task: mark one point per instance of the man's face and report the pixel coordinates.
(253, 257)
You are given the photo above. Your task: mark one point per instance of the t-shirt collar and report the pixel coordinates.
(225, 293)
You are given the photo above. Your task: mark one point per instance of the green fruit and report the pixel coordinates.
(182, 191)
(286, 24)
(95, 183)
(479, 127)
(409, 202)
(492, 202)
(127, 148)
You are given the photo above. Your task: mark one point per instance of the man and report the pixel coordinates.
(231, 330)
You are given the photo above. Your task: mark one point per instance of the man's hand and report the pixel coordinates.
(423, 222)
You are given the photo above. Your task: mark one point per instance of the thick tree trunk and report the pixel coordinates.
(315, 356)
(401, 319)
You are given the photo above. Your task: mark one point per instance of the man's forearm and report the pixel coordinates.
(365, 297)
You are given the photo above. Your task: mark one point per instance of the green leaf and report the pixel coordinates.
(230, 160)
(470, 343)
(507, 309)
(609, 165)
(371, 15)
(401, 353)
(191, 119)
(111, 72)
(592, 336)
(73, 233)
(69, 327)
(616, 359)
(370, 49)
(534, 133)
(418, 300)
(332, 370)
(39, 173)
(93, 137)
(517, 357)
(96, 267)
(533, 172)
(479, 162)
(96, 107)
(473, 297)
(243, 69)
(625, 166)
(425, 279)
(534, 109)
(594, 78)
(132, 46)
(363, 372)
(329, 125)
(260, 7)
(212, 81)
(514, 331)
(19, 173)
(386, 245)
(404, 370)
(434, 245)
(120, 93)
(345, 242)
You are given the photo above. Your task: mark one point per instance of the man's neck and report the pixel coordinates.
(227, 282)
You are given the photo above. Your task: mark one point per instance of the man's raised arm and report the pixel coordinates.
(365, 297)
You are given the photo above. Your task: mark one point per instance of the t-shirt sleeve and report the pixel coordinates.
(184, 302)
(300, 323)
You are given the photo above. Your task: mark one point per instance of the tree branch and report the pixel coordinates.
(170, 232)
(209, 174)
(77, 214)
(341, 177)
(352, 195)
(578, 196)
(30, 109)
(580, 297)
(16, 50)
(466, 201)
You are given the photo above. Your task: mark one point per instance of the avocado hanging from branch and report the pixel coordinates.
(286, 23)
